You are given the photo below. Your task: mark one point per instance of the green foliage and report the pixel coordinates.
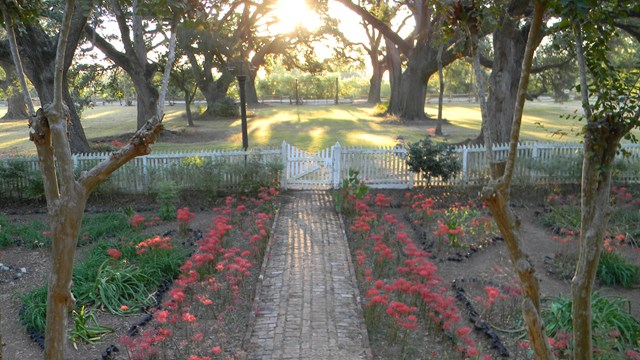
(351, 186)
(225, 107)
(615, 269)
(6, 239)
(562, 217)
(34, 310)
(117, 285)
(85, 328)
(609, 313)
(167, 197)
(30, 235)
(380, 109)
(433, 160)
(19, 180)
(102, 226)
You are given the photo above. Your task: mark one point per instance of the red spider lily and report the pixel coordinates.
(114, 253)
(137, 220)
(154, 243)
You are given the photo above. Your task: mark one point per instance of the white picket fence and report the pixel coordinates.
(378, 167)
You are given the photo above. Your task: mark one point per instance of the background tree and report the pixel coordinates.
(38, 47)
(182, 79)
(138, 40)
(409, 89)
(16, 107)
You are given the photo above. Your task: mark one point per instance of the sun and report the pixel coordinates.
(291, 14)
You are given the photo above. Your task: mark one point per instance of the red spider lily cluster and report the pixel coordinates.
(457, 225)
(403, 292)
(190, 323)
(155, 243)
(114, 253)
(184, 217)
(139, 221)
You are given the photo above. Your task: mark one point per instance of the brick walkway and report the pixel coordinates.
(307, 305)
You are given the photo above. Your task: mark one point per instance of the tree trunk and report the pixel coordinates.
(187, 108)
(250, 90)
(595, 214)
(441, 89)
(375, 82)
(496, 195)
(509, 44)
(394, 64)
(65, 226)
(215, 91)
(410, 105)
(16, 107)
(146, 96)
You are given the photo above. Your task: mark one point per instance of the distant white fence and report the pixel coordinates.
(380, 167)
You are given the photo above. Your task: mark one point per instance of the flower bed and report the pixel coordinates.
(207, 310)
(406, 301)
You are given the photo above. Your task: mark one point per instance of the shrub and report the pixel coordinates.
(433, 159)
(225, 107)
(615, 269)
(167, 197)
(380, 109)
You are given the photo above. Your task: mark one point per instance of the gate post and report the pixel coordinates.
(285, 160)
(336, 154)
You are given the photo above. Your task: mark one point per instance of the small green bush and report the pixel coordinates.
(225, 107)
(380, 109)
(433, 160)
(615, 269)
(167, 197)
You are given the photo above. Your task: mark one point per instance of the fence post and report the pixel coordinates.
(283, 176)
(465, 164)
(145, 172)
(336, 155)
(74, 157)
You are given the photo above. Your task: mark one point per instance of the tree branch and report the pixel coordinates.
(404, 46)
(105, 46)
(138, 145)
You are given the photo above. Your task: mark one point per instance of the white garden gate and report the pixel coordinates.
(306, 170)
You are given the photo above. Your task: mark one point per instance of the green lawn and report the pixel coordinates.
(310, 127)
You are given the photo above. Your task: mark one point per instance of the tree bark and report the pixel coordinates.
(509, 44)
